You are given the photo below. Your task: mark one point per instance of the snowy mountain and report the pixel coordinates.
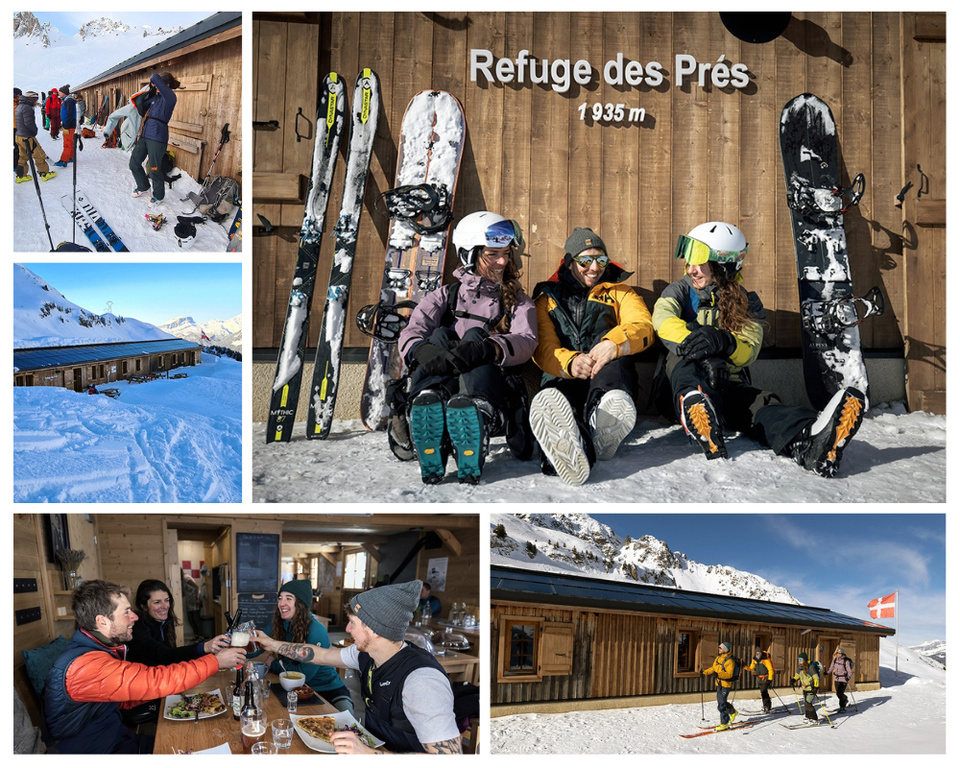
(43, 317)
(223, 333)
(932, 650)
(576, 543)
(44, 58)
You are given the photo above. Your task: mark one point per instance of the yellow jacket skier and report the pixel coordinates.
(725, 668)
(763, 667)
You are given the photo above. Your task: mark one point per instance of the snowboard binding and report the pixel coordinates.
(829, 318)
(384, 322)
(816, 202)
(425, 207)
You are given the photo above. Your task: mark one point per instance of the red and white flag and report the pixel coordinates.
(883, 607)
(204, 336)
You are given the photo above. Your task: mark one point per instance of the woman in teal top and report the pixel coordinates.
(294, 623)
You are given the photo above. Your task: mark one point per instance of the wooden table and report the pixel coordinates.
(175, 735)
(460, 667)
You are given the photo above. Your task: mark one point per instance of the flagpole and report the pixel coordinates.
(896, 610)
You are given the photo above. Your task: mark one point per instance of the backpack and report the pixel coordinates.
(142, 99)
(737, 669)
(815, 669)
(217, 200)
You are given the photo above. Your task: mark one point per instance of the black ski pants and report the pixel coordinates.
(151, 151)
(758, 414)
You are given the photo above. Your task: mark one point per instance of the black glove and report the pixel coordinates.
(435, 361)
(716, 371)
(706, 341)
(472, 354)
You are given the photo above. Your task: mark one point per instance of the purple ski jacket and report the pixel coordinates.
(480, 297)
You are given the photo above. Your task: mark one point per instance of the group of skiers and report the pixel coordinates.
(465, 343)
(809, 677)
(62, 114)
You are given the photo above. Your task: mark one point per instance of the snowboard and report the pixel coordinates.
(326, 369)
(432, 135)
(285, 391)
(829, 312)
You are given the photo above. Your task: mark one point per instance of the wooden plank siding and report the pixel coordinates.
(619, 654)
(700, 153)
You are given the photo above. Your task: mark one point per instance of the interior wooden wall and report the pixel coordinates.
(699, 154)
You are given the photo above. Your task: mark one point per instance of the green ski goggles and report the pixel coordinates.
(695, 252)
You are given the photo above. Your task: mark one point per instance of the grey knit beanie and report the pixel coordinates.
(388, 610)
(580, 239)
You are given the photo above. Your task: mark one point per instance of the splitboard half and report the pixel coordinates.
(285, 391)
(830, 314)
(431, 144)
(326, 369)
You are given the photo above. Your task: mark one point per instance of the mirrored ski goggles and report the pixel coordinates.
(503, 233)
(694, 252)
(585, 260)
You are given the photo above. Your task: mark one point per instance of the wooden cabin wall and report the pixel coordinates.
(619, 654)
(463, 570)
(699, 154)
(132, 548)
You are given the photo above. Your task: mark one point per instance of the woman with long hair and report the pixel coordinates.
(712, 328)
(155, 634)
(293, 622)
(464, 344)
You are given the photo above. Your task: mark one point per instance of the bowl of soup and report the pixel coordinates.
(291, 680)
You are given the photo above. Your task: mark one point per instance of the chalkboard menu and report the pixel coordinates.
(258, 562)
(257, 608)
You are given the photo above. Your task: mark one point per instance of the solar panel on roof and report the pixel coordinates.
(51, 357)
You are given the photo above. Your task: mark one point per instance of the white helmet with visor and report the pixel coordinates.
(484, 229)
(714, 241)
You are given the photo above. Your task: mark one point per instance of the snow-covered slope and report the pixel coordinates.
(43, 317)
(224, 333)
(576, 543)
(934, 651)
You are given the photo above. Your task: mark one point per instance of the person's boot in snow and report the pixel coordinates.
(469, 422)
(611, 421)
(427, 429)
(555, 428)
(820, 446)
(700, 421)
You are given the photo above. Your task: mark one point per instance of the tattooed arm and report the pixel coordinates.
(301, 652)
(448, 747)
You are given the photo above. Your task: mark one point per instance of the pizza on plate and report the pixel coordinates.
(318, 727)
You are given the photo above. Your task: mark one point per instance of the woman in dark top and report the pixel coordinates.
(155, 634)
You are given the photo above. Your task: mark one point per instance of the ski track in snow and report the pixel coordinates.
(104, 175)
(161, 441)
(906, 716)
(895, 457)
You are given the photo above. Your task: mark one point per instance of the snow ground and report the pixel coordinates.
(895, 457)
(168, 440)
(906, 716)
(104, 176)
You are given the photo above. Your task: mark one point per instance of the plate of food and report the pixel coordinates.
(315, 730)
(179, 706)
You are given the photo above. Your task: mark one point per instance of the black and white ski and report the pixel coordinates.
(326, 369)
(84, 203)
(85, 223)
(286, 384)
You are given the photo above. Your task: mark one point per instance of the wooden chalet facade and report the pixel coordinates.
(77, 367)
(558, 641)
(207, 59)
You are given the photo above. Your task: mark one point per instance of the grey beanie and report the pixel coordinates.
(388, 610)
(580, 239)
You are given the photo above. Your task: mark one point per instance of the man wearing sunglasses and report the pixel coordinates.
(589, 323)
(713, 330)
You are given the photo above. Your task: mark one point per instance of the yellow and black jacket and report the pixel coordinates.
(763, 667)
(724, 668)
(572, 319)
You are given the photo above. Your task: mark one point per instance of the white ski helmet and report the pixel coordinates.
(714, 241)
(484, 229)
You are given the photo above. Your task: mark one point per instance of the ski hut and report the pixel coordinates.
(77, 367)
(558, 642)
(207, 60)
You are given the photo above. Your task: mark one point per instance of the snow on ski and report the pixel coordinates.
(714, 730)
(286, 384)
(431, 144)
(326, 370)
(86, 224)
(97, 218)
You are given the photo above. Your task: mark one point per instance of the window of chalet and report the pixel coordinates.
(531, 648)
(124, 367)
(687, 652)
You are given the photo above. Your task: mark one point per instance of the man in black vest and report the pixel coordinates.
(406, 694)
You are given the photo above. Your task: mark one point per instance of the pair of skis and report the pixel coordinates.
(329, 129)
(92, 223)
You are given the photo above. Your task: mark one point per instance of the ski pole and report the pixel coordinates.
(779, 699)
(77, 146)
(854, 702)
(799, 705)
(820, 702)
(36, 183)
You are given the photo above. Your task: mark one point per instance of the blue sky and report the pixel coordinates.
(154, 293)
(836, 561)
(69, 22)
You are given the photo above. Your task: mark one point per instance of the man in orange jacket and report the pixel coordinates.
(91, 681)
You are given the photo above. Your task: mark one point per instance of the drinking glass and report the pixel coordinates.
(292, 701)
(282, 732)
(264, 748)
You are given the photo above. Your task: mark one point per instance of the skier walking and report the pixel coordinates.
(26, 140)
(713, 329)
(68, 122)
(589, 323)
(762, 666)
(464, 344)
(841, 667)
(808, 676)
(725, 668)
(52, 109)
(154, 134)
